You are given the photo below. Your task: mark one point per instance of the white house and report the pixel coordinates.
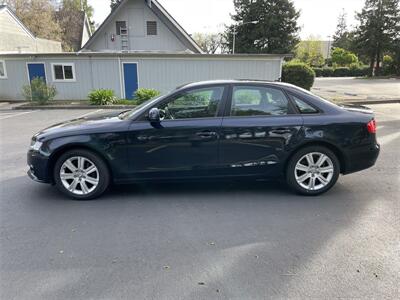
(141, 25)
(15, 37)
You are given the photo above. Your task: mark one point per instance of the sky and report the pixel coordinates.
(318, 17)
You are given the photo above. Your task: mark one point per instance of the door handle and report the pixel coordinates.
(281, 131)
(206, 134)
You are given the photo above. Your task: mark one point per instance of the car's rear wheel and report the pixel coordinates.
(313, 170)
(81, 174)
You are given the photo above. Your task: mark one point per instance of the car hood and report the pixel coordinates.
(91, 124)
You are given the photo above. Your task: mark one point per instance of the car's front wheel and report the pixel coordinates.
(81, 174)
(313, 170)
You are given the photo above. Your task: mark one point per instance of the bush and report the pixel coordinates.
(39, 91)
(142, 95)
(341, 72)
(102, 97)
(318, 72)
(298, 74)
(327, 72)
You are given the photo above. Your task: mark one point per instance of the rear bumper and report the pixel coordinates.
(38, 167)
(362, 159)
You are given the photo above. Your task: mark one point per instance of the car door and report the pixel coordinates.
(259, 126)
(185, 142)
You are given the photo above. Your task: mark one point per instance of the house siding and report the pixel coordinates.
(163, 72)
(136, 13)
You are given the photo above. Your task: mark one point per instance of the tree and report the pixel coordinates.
(276, 30)
(343, 57)
(38, 16)
(310, 52)
(114, 3)
(208, 42)
(341, 37)
(70, 17)
(378, 30)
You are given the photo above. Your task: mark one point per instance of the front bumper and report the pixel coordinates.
(362, 159)
(38, 167)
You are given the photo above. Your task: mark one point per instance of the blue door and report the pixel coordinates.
(130, 80)
(36, 70)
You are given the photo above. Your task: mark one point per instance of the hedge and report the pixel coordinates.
(299, 74)
(352, 71)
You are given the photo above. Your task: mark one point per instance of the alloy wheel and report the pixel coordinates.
(79, 175)
(314, 171)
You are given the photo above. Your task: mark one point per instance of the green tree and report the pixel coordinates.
(310, 52)
(342, 36)
(343, 58)
(378, 30)
(38, 16)
(276, 30)
(70, 16)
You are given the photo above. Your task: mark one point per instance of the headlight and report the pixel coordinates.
(35, 145)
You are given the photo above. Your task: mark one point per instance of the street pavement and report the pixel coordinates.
(218, 240)
(357, 89)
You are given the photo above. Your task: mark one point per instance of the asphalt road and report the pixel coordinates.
(251, 240)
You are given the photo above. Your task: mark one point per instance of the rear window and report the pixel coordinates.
(303, 107)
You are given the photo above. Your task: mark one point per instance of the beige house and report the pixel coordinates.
(15, 37)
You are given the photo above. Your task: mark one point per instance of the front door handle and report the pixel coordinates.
(206, 134)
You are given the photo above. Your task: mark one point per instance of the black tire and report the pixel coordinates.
(290, 170)
(104, 174)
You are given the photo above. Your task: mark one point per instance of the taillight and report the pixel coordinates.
(371, 126)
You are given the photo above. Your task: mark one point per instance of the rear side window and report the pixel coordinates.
(303, 107)
(258, 101)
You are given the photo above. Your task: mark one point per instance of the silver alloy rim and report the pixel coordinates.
(79, 175)
(314, 171)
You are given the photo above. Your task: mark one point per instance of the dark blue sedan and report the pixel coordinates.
(215, 129)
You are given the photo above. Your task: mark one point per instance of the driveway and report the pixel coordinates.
(205, 240)
(357, 89)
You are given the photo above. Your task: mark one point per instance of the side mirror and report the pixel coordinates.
(154, 115)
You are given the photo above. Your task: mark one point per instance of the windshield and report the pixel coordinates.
(132, 112)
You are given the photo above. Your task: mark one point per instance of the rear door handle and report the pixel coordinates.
(281, 131)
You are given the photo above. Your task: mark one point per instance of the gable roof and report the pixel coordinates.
(5, 8)
(164, 16)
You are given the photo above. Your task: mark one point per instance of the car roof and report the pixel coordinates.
(233, 81)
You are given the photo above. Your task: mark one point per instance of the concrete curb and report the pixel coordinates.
(116, 107)
(53, 107)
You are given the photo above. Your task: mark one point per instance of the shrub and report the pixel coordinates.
(318, 72)
(343, 57)
(341, 72)
(142, 95)
(327, 72)
(102, 97)
(39, 91)
(388, 65)
(298, 74)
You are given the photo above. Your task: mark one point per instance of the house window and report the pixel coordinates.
(63, 72)
(120, 25)
(151, 28)
(3, 70)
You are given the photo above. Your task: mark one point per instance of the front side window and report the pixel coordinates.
(63, 72)
(199, 103)
(3, 71)
(258, 101)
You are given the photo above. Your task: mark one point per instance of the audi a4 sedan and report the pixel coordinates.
(215, 129)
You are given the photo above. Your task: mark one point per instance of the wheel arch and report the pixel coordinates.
(336, 150)
(61, 150)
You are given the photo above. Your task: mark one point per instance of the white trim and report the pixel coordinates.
(36, 63)
(63, 64)
(123, 74)
(4, 69)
